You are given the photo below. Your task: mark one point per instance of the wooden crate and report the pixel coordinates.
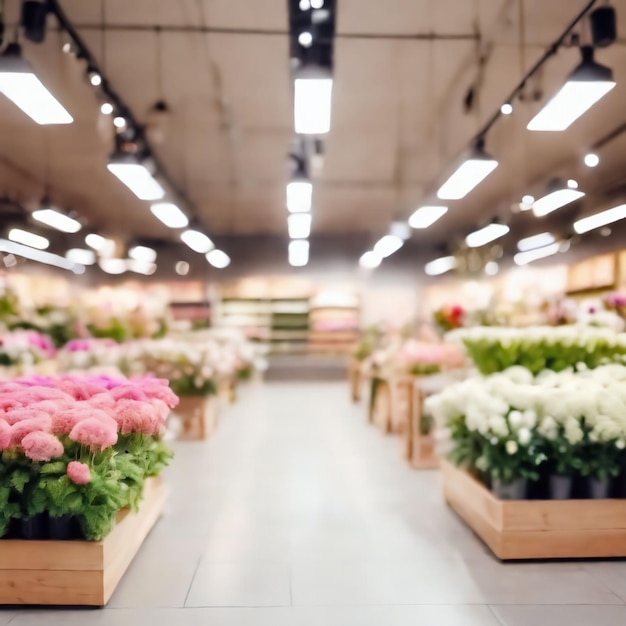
(77, 573)
(419, 448)
(355, 377)
(537, 529)
(199, 416)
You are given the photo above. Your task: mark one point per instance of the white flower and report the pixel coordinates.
(620, 444)
(516, 419)
(524, 436)
(511, 447)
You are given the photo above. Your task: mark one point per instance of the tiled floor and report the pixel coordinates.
(298, 513)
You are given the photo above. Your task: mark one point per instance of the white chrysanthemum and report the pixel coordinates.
(511, 447)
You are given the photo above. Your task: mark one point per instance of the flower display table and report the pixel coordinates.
(419, 448)
(537, 529)
(355, 378)
(391, 402)
(77, 572)
(199, 416)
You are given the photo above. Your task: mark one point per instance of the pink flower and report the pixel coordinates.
(5, 435)
(79, 473)
(40, 446)
(27, 426)
(137, 417)
(94, 433)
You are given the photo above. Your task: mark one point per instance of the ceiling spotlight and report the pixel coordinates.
(305, 39)
(506, 108)
(527, 202)
(81, 256)
(94, 77)
(28, 239)
(136, 176)
(143, 253)
(218, 259)
(106, 108)
(572, 184)
(56, 219)
(317, 4)
(182, 268)
(169, 214)
(305, 5)
(387, 245)
(591, 159)
(67, 47)
(370, 260)
(197, 241)
(119, 121)
(587, 84)
(487, 234)
(468, 175)
(440, 266)
(20, 85)
(426, 216)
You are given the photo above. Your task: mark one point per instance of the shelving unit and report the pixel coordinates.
(334, 323)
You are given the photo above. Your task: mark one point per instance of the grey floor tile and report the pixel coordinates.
(6, 616)
(612, 575)
(240, 584)
(561, 615)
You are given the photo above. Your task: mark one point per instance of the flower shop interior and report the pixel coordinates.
(313, 312)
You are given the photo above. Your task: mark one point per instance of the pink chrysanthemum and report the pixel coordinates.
(27, 426)
(40, 446)
(94, 433)
(137, 417)
(79, 473)
(5, 435)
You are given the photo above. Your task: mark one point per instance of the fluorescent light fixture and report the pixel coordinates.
(113, 266)
(299, 225)
(218, 259)
(313, 90)
(600, 219)
(20, 85)
(536, 241)
(169, 214)
(440, 266)
(587, 84)
(197, 241)
(426, 216)
(556, 200)
(147, 268)
(98, 242)
(298, 252)
(58, 220)
(387, 245)
(591, 159)
(41, 257)
(485, 235)
(468, 175)
(136, 177)
(142, 253)
(523, 258)
(28, 239)
(299, 193)
(370, 260)
(81, 256)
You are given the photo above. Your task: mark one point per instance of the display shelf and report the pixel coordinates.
(537, 529)
(77, 573)
(199, 416)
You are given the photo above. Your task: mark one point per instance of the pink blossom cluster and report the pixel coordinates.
(37, 412)
(429, 353)
(22, 340)
(88, 344)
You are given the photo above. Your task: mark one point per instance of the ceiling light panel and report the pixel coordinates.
(485, 235)
(28, 239)
(536, 241)
(597, 220)
(197, 241)
(426, 216)
(467, 176)
(555, 200)
(58, 220)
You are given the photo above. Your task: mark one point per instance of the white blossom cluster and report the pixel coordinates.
(513, 405)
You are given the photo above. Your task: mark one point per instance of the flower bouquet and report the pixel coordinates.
(540, 347)
(75, 450)
(22, 349)
(93, 355)
(449, 317)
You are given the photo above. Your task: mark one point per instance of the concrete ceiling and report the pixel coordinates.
(402, 70)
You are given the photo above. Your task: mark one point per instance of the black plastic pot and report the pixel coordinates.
(63, 528)
(599, 489)
(561, 487)
(35, 528)
(513, 491)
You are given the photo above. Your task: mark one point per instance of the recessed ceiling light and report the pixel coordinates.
(506, 109)
(106, 108)
(305, 39)
(591, 159)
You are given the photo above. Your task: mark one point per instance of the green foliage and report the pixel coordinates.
(186, 386)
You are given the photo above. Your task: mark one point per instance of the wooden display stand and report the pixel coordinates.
(537, 529)
(77, 573)
(419, 448)
(199, 416)
(355, 377)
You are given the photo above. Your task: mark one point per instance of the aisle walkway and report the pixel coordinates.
(299, 514)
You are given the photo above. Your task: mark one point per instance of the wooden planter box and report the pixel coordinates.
(537, 529)
(199, 416)
(73, 573)
(355, 377)
(419, 448)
